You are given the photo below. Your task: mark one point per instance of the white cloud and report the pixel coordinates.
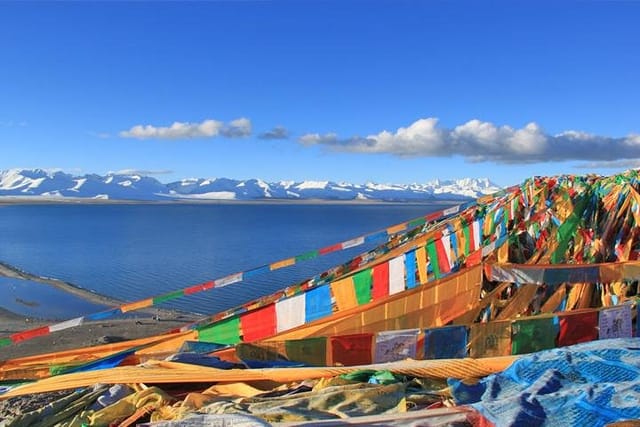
(238, 128)
(611, 164)
(278, 132)
(479, 141)
(186, 130)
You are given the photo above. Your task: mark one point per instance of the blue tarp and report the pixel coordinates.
(589, 384)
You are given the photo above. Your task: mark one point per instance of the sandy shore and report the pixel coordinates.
(142, 323)
(85, 335)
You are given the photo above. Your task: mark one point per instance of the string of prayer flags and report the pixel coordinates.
(226, 331)
(317, 303)
(615, 322)
(578, 327)
(448, 342)
(290, 312)
(351, 350)
(312, 351)
(531, 335)
(396, 345)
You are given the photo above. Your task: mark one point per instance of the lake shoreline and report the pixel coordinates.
(43, 200)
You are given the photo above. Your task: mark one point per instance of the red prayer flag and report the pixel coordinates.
(443, 257)
(577, 328)
(258, 324)
(329, 249)
(27, 335)
(352, 350)
(380, 281)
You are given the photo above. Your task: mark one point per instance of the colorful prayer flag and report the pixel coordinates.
(395, 345)
(351, 350)
(615, 322)
(578, 327)
(362, 284)
(531, 335)
(448, 342)
(258, 324)
(290, 313)
(312, 351)
(345, 294)
(396, 275)
(317, 303)
(223, 332)
(380, 281)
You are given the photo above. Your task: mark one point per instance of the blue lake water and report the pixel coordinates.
(131, 252)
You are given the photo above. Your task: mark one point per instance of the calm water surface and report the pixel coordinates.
(136, 251)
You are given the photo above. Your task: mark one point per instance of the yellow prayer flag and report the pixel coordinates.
(137, 305)
(344, 293)
(282, 264)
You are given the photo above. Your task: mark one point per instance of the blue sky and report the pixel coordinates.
(382, 91)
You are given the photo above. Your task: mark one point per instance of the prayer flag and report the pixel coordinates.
(448, 342)
(445, 252)
(290, 312)
(395, 345)
(490, 339)
(477, 234)
(351, 350)
(410, 268)
(312, 351)
(317, 303)
(198, 288)
(223, 332)
(27, 335)
(531, 335)
(396, 275)
(468, 242)
(136, 305)
(344, 293)
(433, 259)
(282, 264)
(380, 281)
(66, 324)
(421, 259)
(167, 297)
(104, 314)
(353, 243)
(578, 327)
(258, 324)
(615, 322)
(362, 284)
(396, 229)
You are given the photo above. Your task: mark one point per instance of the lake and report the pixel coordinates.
(134, 251)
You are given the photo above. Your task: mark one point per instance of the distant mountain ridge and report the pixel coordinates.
(115, 186)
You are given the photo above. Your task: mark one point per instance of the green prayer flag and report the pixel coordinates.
(416, 222)
(433, 258)
(312, 351)
(362, 283)
(567, 230)
(531, 335)
(5, 341)
(166, 297)
(224, 332)
(307, 256)
(465, 231)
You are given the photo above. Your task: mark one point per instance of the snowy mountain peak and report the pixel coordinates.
(114, 186)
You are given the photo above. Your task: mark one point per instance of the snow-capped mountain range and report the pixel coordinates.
(115, 186)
